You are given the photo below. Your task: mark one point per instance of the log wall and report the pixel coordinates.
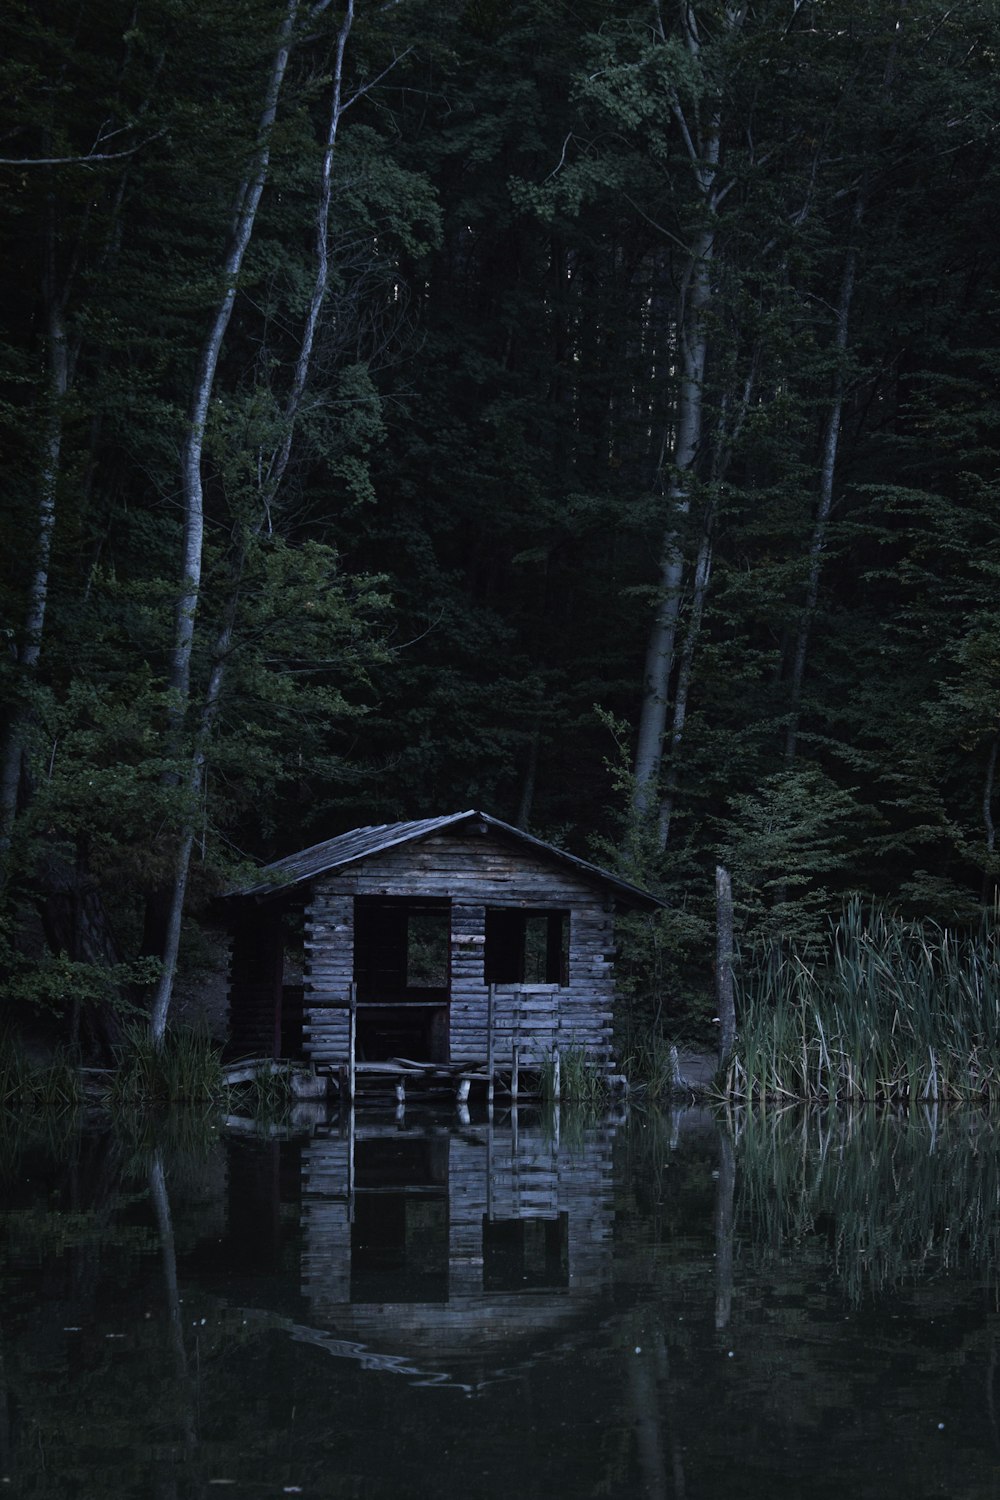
(475, 872)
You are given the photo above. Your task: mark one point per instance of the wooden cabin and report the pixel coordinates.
(446, 940)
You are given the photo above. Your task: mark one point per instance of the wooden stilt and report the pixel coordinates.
(462, 1093)
(489, 1169)
(514, 1080)
(350, 1164)
(352, 1043)
(556, 1078)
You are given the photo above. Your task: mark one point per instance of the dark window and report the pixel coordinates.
(401, 948)
(520, 1255)
(526, 947)
(399, 1229)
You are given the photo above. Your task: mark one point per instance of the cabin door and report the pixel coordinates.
(402, 971)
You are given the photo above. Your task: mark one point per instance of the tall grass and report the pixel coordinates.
(649, 1062)
(581, 1080)
(52, 1085)
(186, 1069)
(897, 1011)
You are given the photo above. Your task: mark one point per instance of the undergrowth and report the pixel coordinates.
(26, 1083)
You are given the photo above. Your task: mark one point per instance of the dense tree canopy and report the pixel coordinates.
(585, 411)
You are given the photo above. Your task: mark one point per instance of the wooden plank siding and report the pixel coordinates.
(475, 872)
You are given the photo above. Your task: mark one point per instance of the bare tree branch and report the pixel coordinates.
(70, 161)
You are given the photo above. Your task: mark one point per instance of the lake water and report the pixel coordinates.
(659, 1306)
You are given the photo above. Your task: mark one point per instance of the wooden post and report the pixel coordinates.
(352, 1042)
(350, 1163)
(724, 964)
(514, 1073)
(489, 1166)
(724, 1193)
(490, 1042)
(556, 1078)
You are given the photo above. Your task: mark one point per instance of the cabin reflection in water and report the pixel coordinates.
(438, 1244)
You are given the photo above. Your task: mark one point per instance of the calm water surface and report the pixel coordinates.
(665, 1306)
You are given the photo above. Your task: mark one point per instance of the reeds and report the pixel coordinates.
(897, 1011)
(52, 1085)
(580, 1079)
(649, 1062)
(186, 1069)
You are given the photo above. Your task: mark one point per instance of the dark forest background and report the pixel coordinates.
(581, 410)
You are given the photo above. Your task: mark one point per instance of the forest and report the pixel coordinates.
(581, 410)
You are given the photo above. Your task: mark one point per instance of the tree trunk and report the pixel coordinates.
(724, 964)
(728, 432)
(702, 574)
(659, 661)
(179, 680)
(991, 767)
(247, 202)
(827, 475)
(725, 1192)
(31, 644)
(702, 143)
(174, 905)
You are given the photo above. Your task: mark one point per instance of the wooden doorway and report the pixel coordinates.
(402, 971)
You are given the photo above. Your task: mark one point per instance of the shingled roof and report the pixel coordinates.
(351, 848)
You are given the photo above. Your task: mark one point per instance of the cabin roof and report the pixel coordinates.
(361, 843)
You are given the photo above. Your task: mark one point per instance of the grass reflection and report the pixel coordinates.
(885, 1199)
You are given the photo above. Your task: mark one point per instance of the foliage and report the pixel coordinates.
(464, 552)
(779, 842)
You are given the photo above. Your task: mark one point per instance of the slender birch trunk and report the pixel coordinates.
(660, 645)
(57, 382)
(179, 677)
(701, 136)
(728, 435)
(702, 576)
(827, 477)
(275, 474)
(247, 202)
(60, 362)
